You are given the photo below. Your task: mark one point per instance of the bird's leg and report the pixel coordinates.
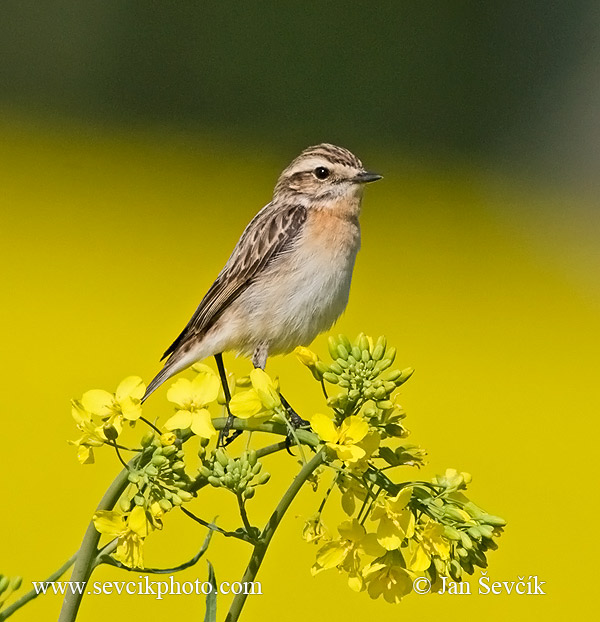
(224, 433)
(259, 359)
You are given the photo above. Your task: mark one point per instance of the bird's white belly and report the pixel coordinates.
(299, 296)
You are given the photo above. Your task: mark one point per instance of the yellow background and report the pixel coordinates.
(108, 240)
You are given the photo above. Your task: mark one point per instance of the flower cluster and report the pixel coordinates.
(8, 585)
(240, 475)
(157, 483)
(395, 531)
(100, 415)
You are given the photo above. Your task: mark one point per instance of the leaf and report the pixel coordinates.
(389, 456)
(211, 597)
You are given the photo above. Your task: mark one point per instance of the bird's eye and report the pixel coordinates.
(321, 172)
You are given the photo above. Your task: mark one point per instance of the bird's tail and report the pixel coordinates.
(177, 362)
(163, 375)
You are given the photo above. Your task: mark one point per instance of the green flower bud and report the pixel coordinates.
(363, 343)
(204, 471)
(264, 478)
(405, 375)
(151, 470)
(133, 477)
(336, 368)
(466, 541)
(165, 505)
(15, 583)
(455, 570)
(378, 351)
(381, 366)
(474, 533)
(178, 466)
(124, 504)
(169, 450)
(342, 351)
(365, 356)
(489, 544)
(495, 521)
(4, 583)
(451, 533)
(462, 552)
(332, 378)
(256, 468)
(158, 460)
(252, 457)
(332, 344)
(221, 457)
(321, 368)
(343, 363)
(357, 353)
(147, 439)
(185, 495)
(343, 383)
(176, 500)
(218, 469)
(249, 492)
(345, 342)
(214, 481)
(139, 500)
(467, 565)
(110, 432)
(385, 404)
(390, 355)
(486, 531)
(478, 558)
(353, 395)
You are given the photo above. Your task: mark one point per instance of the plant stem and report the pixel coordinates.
(243, 514)
(89, 548)
(87, 554)
(33, 593)
(262, 545)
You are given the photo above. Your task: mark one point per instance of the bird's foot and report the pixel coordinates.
(224, 435)
(294, 418)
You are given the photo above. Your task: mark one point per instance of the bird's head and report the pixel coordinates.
(324, 173)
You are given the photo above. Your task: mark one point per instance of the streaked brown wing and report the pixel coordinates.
(270, 234)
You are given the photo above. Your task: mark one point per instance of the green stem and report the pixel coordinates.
(242, 507)
(87, 554)
(33, 593)
(262, 545)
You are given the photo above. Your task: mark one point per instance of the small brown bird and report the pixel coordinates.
(288, 278)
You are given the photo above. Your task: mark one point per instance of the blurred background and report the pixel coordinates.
(138, 139)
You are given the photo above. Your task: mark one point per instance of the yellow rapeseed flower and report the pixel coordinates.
(131, 529)
(428, 543)
(343, 553)
(396, 521)
(191, 398)
(387, 577)
(343, 440)
(260, 401)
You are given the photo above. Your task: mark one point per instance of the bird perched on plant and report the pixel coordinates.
(288, 278)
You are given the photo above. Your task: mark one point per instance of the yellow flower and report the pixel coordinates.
(125, 403)
(388, 578)
(93, 434)
(314, 530)
(396, 521)
(343, 440)
(259, 401)
(191, 397)
(343, 553)
(131, 530)
(429, 543)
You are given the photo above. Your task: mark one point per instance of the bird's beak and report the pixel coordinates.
(365, 177)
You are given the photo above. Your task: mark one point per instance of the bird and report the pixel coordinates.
(288, 277)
